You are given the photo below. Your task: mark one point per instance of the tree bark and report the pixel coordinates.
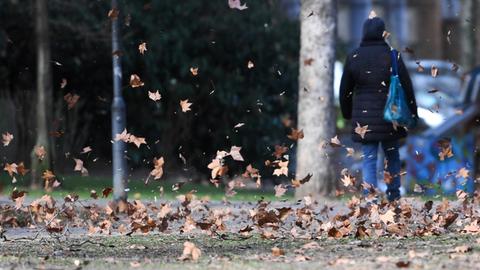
(44, 91)
(468, 34)
(316, 115)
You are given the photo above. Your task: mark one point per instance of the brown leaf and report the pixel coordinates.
(335, 142)
(280, 190)
(235, 4)
(298, 182)
(6, 138)
(296, 134)
(279, 151)
(194, 71)
(308, 62)
(217, 168)
(463, 249)
(142, 48)
(282, 168)
(137, 140)
(387, 177)
(388, 217)
(434, 71)
(190, 251)
(185, 105)
(157, 171)
(113, 13)
(235, 153)
(155, 96)
(11, 168)
(135, 81)
(21, 169)
(361, 130)
(79, 167)
(48, 175)
(40, 152)
(277, 252)
(106, 191)
(348, 180)
(71, 100)
(86, 149)
(403, 264)
(463, 172)
(63, 83)
(333, 232)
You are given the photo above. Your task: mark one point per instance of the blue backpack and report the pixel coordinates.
(396, 108)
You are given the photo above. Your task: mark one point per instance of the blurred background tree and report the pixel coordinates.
(218, 40)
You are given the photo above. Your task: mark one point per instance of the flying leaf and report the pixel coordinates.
(348, 180)
(142, 48)
(235, 153)
(155, 96)
(86, 149)
(387, 177)
(239, 125)
(361, 130)
(250, 64)
(48, 175)
(296, 134)
(63, 83)
(185, 105)
(106, 191)
(463, 172)
(137, 140)
(11, 168)
(279, 151)
(283, 168)
(217, 168)
(79, 167)
(113, 13)
(236, 4)
(434, 71)
(308, 62)
(21, 169)
(335, 142)
(194, 71)
(298, 182)
(280, 190)
(6, 138)
(157, 171)
(350, 152)
(71, 100)
(40, 152)
(135, 81)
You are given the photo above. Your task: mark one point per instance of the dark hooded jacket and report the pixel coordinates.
(364, 86)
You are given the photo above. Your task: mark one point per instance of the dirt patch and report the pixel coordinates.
(236, 252)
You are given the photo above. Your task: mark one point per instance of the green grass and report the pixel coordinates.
(138, 190)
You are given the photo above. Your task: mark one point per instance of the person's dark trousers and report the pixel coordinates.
(369, 166)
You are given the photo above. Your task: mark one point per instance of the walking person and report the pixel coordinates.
(364, 89)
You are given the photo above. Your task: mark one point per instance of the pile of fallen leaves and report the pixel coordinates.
(305, 219)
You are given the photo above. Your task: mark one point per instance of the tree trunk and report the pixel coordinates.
(44, 92)
(316, 115)
(468, 34)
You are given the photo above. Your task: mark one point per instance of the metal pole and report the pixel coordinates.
(118, 115)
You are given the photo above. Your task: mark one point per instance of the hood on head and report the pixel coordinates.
(373, 29)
